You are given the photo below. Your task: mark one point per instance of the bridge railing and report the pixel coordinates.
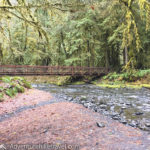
(50, 70)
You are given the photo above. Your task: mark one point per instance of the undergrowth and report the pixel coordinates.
(130, 75)
(10, 86)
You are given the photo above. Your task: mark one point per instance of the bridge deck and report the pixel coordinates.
(51, 70)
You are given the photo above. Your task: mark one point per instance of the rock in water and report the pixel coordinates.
(100, 125)
(123, 121)
(139, 113)
(147, 124)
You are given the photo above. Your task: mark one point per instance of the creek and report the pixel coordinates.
(128, 106)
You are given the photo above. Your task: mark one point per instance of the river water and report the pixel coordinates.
(128, 106)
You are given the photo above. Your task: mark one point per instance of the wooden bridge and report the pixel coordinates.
(21, 70)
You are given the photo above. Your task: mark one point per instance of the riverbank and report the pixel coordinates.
(62, 123)
(57, 80)
(128, 106)
(29, 98)
(114, 80)
(141, 83)
(136, 80)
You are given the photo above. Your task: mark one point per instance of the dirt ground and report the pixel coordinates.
(64, 126)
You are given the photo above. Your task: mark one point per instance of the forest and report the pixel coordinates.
(75, 74)
(100, 33)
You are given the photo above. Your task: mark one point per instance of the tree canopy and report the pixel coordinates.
(111, 33)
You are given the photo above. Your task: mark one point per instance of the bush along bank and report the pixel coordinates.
(11, 86)
(56, 80)
(129, 79)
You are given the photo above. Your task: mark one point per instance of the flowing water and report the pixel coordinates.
(128, 106)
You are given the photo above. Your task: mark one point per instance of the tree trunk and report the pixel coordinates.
(26, 36)
(59, 50)
(1, 54)
(126, 55)
(106, 59)
(62, 40)
(88, 49)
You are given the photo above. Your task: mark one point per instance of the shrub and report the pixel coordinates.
(6, 79)
(27, 84)
(1, 88)
(9, 92)
(20, 88)
(130, 75)
(15, 85)
(1, 97)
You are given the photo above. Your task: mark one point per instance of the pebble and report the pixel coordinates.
(139, 113)
(102, 102)
(123, 121)
(114, 114)
(142, 127)
(147, 124)
(83, 98)
(133, 123)
(116, 117)
(87, 105)
(100, 124)
(129, 104)
(103, 106)
(70, 99)
(124, 107)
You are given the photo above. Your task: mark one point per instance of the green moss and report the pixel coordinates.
(121, 85)
(110, 86)
(78, 83)
(134, 86)
(127, 85)
(59, 83)
(58, 80)
(146, 86)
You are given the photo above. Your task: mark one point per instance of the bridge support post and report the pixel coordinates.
(72, 69)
